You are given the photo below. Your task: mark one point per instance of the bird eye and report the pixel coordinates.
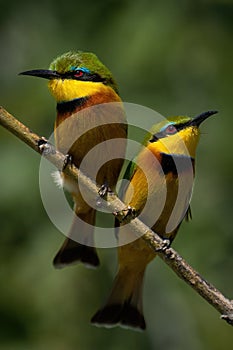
(78, 73)
(170, 129)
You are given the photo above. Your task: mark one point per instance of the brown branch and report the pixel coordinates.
(168, 255)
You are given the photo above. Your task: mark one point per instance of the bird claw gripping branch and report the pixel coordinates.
(67, 161)
(104, 190)
(45, 147)
(228, 318)
(166, 244)
(125, 215)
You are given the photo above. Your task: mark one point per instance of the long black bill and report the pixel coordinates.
(201, 117)
(42, 73)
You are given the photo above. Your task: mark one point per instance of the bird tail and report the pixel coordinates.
(124, 305)
(72, 252)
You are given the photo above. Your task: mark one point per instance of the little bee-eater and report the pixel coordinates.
(162, 172)
(78, 80)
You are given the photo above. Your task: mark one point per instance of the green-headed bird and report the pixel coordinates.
(78, 80)
(161, 180)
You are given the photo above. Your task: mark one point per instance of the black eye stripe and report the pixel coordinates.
(162, 134)
(85, 76)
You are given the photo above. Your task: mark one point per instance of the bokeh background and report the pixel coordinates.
(173, 56)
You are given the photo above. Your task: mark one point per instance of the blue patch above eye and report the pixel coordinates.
(83, 69)
(165, 126)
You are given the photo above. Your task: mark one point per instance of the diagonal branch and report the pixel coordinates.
(168, 255)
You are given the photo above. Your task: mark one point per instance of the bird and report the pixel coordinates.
(89, 112)
(160, 182)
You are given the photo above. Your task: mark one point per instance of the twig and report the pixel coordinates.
(168, 255)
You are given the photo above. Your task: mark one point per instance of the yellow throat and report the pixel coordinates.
(65, 90)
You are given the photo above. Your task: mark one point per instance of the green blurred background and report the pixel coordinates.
(173, 56)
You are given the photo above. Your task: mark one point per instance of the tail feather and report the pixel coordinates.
(124, 306)
(79, 246)
(72, 252)
(117, 314)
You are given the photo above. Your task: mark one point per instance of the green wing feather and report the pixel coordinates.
(130, 169)
(188, 215)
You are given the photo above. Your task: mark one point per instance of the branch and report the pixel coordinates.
(213, 296)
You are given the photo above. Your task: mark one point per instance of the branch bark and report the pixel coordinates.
(183, 270)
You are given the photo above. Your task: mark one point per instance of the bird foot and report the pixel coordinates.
(45, 147)
(125, 215)
(228, 318)
(67, 161)
(166, 243)
(104, 190)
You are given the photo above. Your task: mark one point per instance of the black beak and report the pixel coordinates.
(42, 73)
(196, 121)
